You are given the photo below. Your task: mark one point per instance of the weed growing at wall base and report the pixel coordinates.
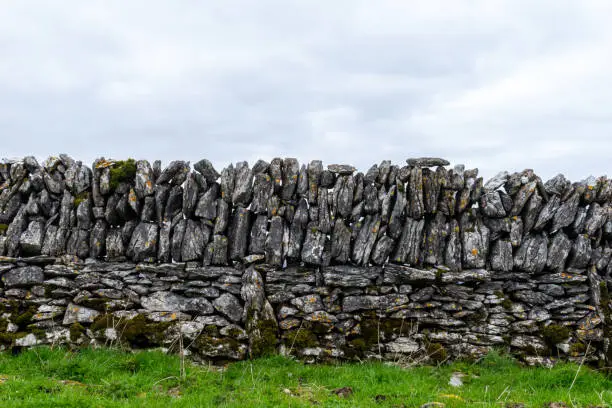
(43, 377)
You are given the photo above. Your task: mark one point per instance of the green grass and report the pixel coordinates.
(43, 377)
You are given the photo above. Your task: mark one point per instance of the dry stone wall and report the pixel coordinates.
(420, 261)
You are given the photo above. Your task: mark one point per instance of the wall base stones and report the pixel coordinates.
(315, 313)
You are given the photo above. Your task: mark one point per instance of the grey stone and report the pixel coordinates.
(31, 240)
(491, 204)
(223, 214)
(532, 297)
(366, 239)
(97, 239)
(143, 244)
(558, 185)
(532, 254)
(398, 274)
(239, 234)
(174, 169)
(408, 249)
(25, 276)
(325, 222)
(312, 250)
(308, 304)
(263, 189)
(276, 173)
(341, 169)
(174, 205)
(353, 303)
(565, 214)
(496, 181)
(414, 194)
(427, 162)
(370, 199)
(228, 177)
(207, 203)
(340, 242)
(83, 214)
(577, 227)
(190, 195)
(258, 236)
(162, 192)
(206, 169)
(531, 211)
(382, 249)
(144, 182)
(243, 189)
(302, 184)
(475, 242)
(547, 213)
(552, 290)
(78, 178)
(218, 250)
(261, 166)
(290, 170)
(274, 240)
(472, 275)
(327, 179)
(79, 314)
(596, 218)
(194, 241)
(501, 256)
(522, 196)
(580, 255)
(516, 231)
(229, 305)
(452, 254)
(54, 182)
(350, 276)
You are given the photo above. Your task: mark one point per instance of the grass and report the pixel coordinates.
(43, 377)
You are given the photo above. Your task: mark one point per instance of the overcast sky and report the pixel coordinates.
(499, 85)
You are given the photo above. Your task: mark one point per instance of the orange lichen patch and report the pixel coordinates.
(102, 164)
(132, 196)
(515, 218)
(223, 194)
(149, 184)
(474, 252)
(590, 187)
(277, 180)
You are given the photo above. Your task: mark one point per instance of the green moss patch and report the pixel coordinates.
(555, 334)
(122, 171)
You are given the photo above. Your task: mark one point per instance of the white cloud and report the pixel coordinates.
(493, 84)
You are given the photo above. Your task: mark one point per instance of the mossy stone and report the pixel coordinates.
(555, 334)
(122, 171)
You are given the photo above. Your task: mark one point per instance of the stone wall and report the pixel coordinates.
(419, 261)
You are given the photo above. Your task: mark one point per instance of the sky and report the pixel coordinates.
(498, 85)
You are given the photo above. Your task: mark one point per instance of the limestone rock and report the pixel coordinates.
(31, 239)
(79, 314)
(22, 277)
(229, 305)
(143, 244)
